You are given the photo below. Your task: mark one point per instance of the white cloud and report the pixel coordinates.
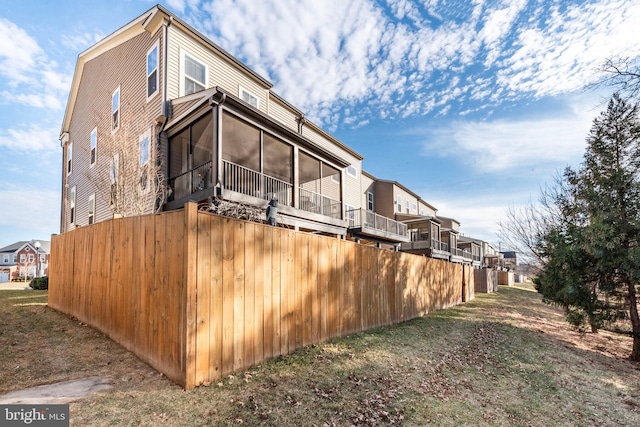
(31, 77)
(80, 41)
(31, 139)
(400, 60)
(19, 53)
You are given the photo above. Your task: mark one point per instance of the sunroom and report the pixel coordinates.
(218, 146)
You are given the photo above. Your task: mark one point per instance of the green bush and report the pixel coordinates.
(40, 283)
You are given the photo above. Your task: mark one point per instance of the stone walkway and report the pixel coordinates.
(58, 393)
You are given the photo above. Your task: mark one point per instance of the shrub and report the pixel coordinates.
(40, 283)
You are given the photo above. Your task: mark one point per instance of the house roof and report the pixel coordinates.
(205, 97)
(396, 183)
(148, 21)
(45, 246)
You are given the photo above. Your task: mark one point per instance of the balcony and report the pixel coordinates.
(251, 183)
(371, 224)
(422, 243)
(319, 204)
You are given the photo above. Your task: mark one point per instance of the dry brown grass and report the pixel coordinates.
(503, 359)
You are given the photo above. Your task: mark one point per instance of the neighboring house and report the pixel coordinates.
(510, 260)
(212, 126)
(473, 248)
(492, 258)
(24, 259)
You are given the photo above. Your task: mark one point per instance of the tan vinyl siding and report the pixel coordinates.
(369, 186)
(427, 210)
(220, 72)
(124, 66)
(282, 114)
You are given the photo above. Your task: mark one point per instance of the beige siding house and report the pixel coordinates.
(156, 97)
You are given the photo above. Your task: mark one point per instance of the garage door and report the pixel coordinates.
(4, 276)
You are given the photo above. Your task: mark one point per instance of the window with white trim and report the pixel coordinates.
(370, 201)
(408, 206)
(5, 258)
(399, 203)
(194, 74)
(249, 98)
(352, 171)
(92, 208)
(93, 146)
(72, 205)
(152, 71)
(421, 212)
(414, 207)
(69, 157)
(15, 257)
(43, 258)
(23, 257)
(115, 109)
(31, 258)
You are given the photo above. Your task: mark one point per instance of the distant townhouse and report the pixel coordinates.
(27, 259)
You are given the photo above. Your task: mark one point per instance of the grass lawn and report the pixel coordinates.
(503, 359)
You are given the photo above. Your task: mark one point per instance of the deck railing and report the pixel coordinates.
(416, 236)
(247, 181)
(317, 203)
(363, 218)
(191, 182)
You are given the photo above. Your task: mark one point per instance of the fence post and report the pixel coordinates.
(191, 262)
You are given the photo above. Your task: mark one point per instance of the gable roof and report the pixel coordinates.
(45, 246)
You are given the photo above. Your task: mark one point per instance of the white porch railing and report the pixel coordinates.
(247, 181)
(363, 218)
(317, 203)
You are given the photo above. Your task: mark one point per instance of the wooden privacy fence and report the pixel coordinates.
(505, 278)
(486, 280)
(198, 296)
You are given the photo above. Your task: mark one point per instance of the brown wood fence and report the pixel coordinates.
(486, 280)
(198, 296)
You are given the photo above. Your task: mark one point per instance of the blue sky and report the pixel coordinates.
(474, 104)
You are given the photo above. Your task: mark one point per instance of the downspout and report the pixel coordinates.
(64, 140)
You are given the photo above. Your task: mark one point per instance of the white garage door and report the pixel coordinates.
(4, 276)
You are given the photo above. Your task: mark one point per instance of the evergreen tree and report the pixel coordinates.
(592, 254)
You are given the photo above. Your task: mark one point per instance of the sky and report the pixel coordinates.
(472, 104)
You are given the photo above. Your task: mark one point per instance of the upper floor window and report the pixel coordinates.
(115, 109)
(152, 71)
(72, 205)
(421, 212)
(408, 203)
(194, 75)
(69, 157)
(370, 201)
(249, 98)
(15, 257)
(92, 208)
(23, 257)
(352, 171)
(94, 146)
(43, 258)
(399, 203)
(31, 258)
(414, 207)
(5, 258)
